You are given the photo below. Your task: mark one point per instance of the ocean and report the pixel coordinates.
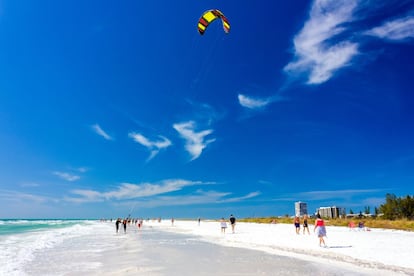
(21, 240)
(79, 247)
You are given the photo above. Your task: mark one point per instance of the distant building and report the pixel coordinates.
(331, 212)
(301, 208)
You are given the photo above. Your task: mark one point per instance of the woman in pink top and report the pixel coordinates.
(320, 230)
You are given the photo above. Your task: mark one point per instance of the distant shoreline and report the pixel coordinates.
(402, 224)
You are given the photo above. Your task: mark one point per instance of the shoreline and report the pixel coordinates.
(183, 248)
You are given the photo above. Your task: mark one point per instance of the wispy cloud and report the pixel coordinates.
(396, 30)
(82, 169)
(253, 103)
(132, 191)
(67, 176)
(333, 194)
(258, 103)
(317, 54)
(29, 184)
(199, 197)
(149, 195)
(237, 199)
(21, 197)
(153, 146)
(98, 130)
(195, 141)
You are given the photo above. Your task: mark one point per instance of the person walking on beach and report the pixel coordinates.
(223, 225)
(232, 222)
(124, 222)
(320, 230)
(118, 221)
(296, 222)
(305, 224)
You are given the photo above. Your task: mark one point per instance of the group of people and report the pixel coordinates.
(319, 227)
(361, 226)
(118, 222)
(296, 222)
(138, 222)
(223, 224)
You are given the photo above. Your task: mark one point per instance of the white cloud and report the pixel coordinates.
(199, 197)
(252, 103)
(85, 196)
(67, 176)
(153, 146)
(258, 103)
(82, 169)
(195, 142)
(317, 55)
(237, 199)
(397, 30)
(29, 184)
(98, 130)
(150, 195)
(320, 195)
(128, 190)
(13, 196)
(131, 191)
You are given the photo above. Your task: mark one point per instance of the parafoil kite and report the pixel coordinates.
(208, 17)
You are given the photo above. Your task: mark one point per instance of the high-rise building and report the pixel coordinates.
(331, 212)
(301, 208)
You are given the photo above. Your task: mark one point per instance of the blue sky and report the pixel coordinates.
(113, 108)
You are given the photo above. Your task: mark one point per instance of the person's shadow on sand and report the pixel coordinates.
(340, 246)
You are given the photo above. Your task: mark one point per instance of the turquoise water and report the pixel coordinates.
(17, 226)
(22, 240)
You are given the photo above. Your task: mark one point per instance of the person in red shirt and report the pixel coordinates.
(320, 230)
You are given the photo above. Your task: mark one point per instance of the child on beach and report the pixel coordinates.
(223, 225)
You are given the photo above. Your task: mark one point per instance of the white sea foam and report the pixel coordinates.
(19, 249)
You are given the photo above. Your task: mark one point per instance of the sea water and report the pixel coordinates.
(22, 240)
(82, 247)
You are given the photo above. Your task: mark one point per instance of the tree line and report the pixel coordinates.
(397, 207)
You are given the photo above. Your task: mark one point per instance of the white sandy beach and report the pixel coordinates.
(187, 248)
(388, 250)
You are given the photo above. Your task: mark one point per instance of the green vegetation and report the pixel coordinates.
(395, 213)
(397, 207)
(402, 224)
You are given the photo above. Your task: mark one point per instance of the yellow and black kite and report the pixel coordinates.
(208, 17)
